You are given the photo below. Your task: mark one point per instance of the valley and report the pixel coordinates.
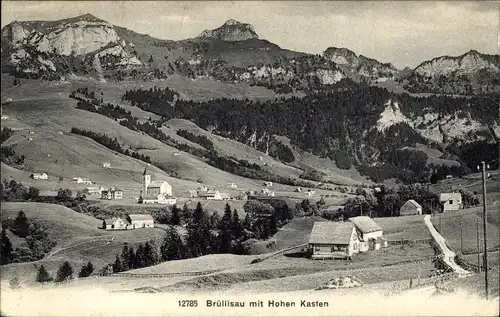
(225, 164)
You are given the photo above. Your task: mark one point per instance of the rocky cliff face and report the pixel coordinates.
(360, 65)
(470, 73)
(231, 31)
(38, 47)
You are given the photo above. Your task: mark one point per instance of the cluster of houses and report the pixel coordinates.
(342, 240)
(448, 201)
(132, 221)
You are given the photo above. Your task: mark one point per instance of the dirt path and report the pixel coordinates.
(448, 255)
(50, 255)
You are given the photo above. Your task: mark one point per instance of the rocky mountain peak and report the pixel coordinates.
(231, 30)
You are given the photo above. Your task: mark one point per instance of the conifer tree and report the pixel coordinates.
(173, 247)
(21, 226)
(43, 276)
(5, 248)
(117, 265)
(199, 237)
(125, 257)
(175, 219)
(65, 272)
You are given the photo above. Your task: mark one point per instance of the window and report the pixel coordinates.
(450, 201)
(355, 246)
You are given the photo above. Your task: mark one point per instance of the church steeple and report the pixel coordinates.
(147, 181)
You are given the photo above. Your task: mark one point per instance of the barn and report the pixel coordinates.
(411, 207)
(141, 221)
(451, 201)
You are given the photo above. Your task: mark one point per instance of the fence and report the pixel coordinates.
(415, 241)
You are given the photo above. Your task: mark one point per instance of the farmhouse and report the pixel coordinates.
(267, 192)
(82, 180)
(94, 190)
(369, 233)
(112, 193)
(232, 185)
(450, 201)
(192, 193)
(202, 188)
(411, 207)
(39, 176)
(114, 224)
(333, 240)
(310, 193)
(106, 165)
(214, 195)
(268, 184)
(140, 221)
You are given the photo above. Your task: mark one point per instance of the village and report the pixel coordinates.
(327, 240)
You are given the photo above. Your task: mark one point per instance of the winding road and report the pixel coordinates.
(448, 255)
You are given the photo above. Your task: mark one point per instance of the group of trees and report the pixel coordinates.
(199, 139)
(64, 273)
(335, 123)
(110, 143)
(14, 191)
(145, 255)
(36, 241)
(387, 202)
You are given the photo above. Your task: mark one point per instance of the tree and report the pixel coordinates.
(131, 261)
(214, 220)
(21, 225)
(236, 225)
(43, 276)
(117, 265)
(5, 248)
(64, 194)
(175, 219)
(199, 237)
(125, 257)
(33, 192)
(65, 272)
(86, 270)
(173, 247)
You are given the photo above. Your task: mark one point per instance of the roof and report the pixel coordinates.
(135, 217)
(329, 232)
(365, 224)
(447, 196)
(111, 220)
(156, 183)
(39, 173)
(414, 203)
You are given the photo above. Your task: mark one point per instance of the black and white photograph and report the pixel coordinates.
(250, 158)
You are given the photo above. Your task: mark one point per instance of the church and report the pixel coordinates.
(155, 191)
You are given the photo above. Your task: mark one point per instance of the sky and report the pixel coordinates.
(404, 33)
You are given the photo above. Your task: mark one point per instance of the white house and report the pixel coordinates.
(310, 193)
(39, 176)
(214, 195)
(333, 240)
(202, 188)
(116, 223)
(159, 199)
(106, 165)
(267, 192)
(192, 193)
(141, 221)
(268, 184)
(112, 193)
(94, 190)
(82, 180)
(451, 201)
(232, 185)
(369, 232)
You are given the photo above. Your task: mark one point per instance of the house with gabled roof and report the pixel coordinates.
(369, 232)
(450, 201)
(115, 223)
(411, 207)
(39, 176)
(140, 221)
(333, 240)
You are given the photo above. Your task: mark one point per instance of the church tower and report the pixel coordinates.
(147, 181)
